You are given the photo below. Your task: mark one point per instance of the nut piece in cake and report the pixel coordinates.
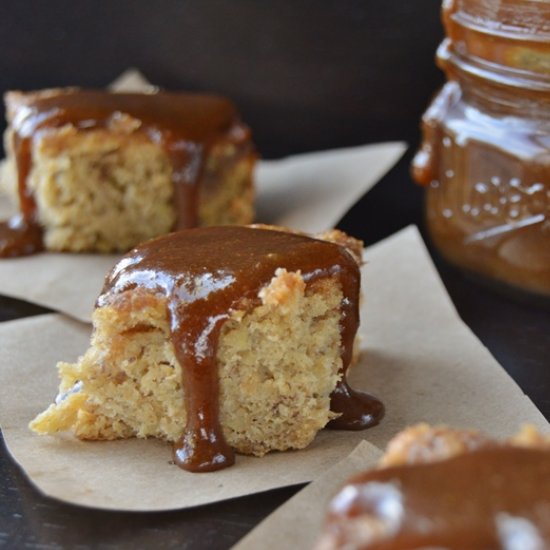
(438, 487)
(101, 172)
(219, 339)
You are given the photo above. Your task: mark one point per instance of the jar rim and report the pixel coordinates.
(513, 19)
(480, 69)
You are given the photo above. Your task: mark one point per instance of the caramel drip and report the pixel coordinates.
(207, 273)
(185, 125)
(21, 235)
(358, 410)
(478, 500)
(19, 238)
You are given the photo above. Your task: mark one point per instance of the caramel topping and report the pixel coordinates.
(496, 497)
(17, 238)
(207, 273)
(185, 125)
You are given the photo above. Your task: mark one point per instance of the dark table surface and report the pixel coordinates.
(306, 76)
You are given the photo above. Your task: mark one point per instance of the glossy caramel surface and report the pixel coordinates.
(188, 117)
(494, 498)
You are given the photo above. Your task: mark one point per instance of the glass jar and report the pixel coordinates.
(485, 155)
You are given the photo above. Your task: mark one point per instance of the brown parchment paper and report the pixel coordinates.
(131, 80)
(418, 357)
(308, 192)
(297, 523)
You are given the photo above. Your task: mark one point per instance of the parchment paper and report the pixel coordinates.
(308, 192)
(297, 523)
(419, 358)
(131, 80)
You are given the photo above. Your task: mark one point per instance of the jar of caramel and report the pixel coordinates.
(485, 155)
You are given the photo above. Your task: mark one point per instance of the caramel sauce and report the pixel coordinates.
(207, 273)
(185, 125)
(496, 497)
(19, 238)
(358, 410)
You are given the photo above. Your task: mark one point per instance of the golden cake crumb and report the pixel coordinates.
(278, 363)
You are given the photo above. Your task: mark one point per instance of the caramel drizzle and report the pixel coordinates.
(475, 500)
(185, 125)
(207, 273)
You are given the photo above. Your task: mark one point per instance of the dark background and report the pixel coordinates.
(306, 75)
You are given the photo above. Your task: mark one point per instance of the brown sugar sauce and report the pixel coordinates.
(496, 497)
(207, 273)
(185, 125)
